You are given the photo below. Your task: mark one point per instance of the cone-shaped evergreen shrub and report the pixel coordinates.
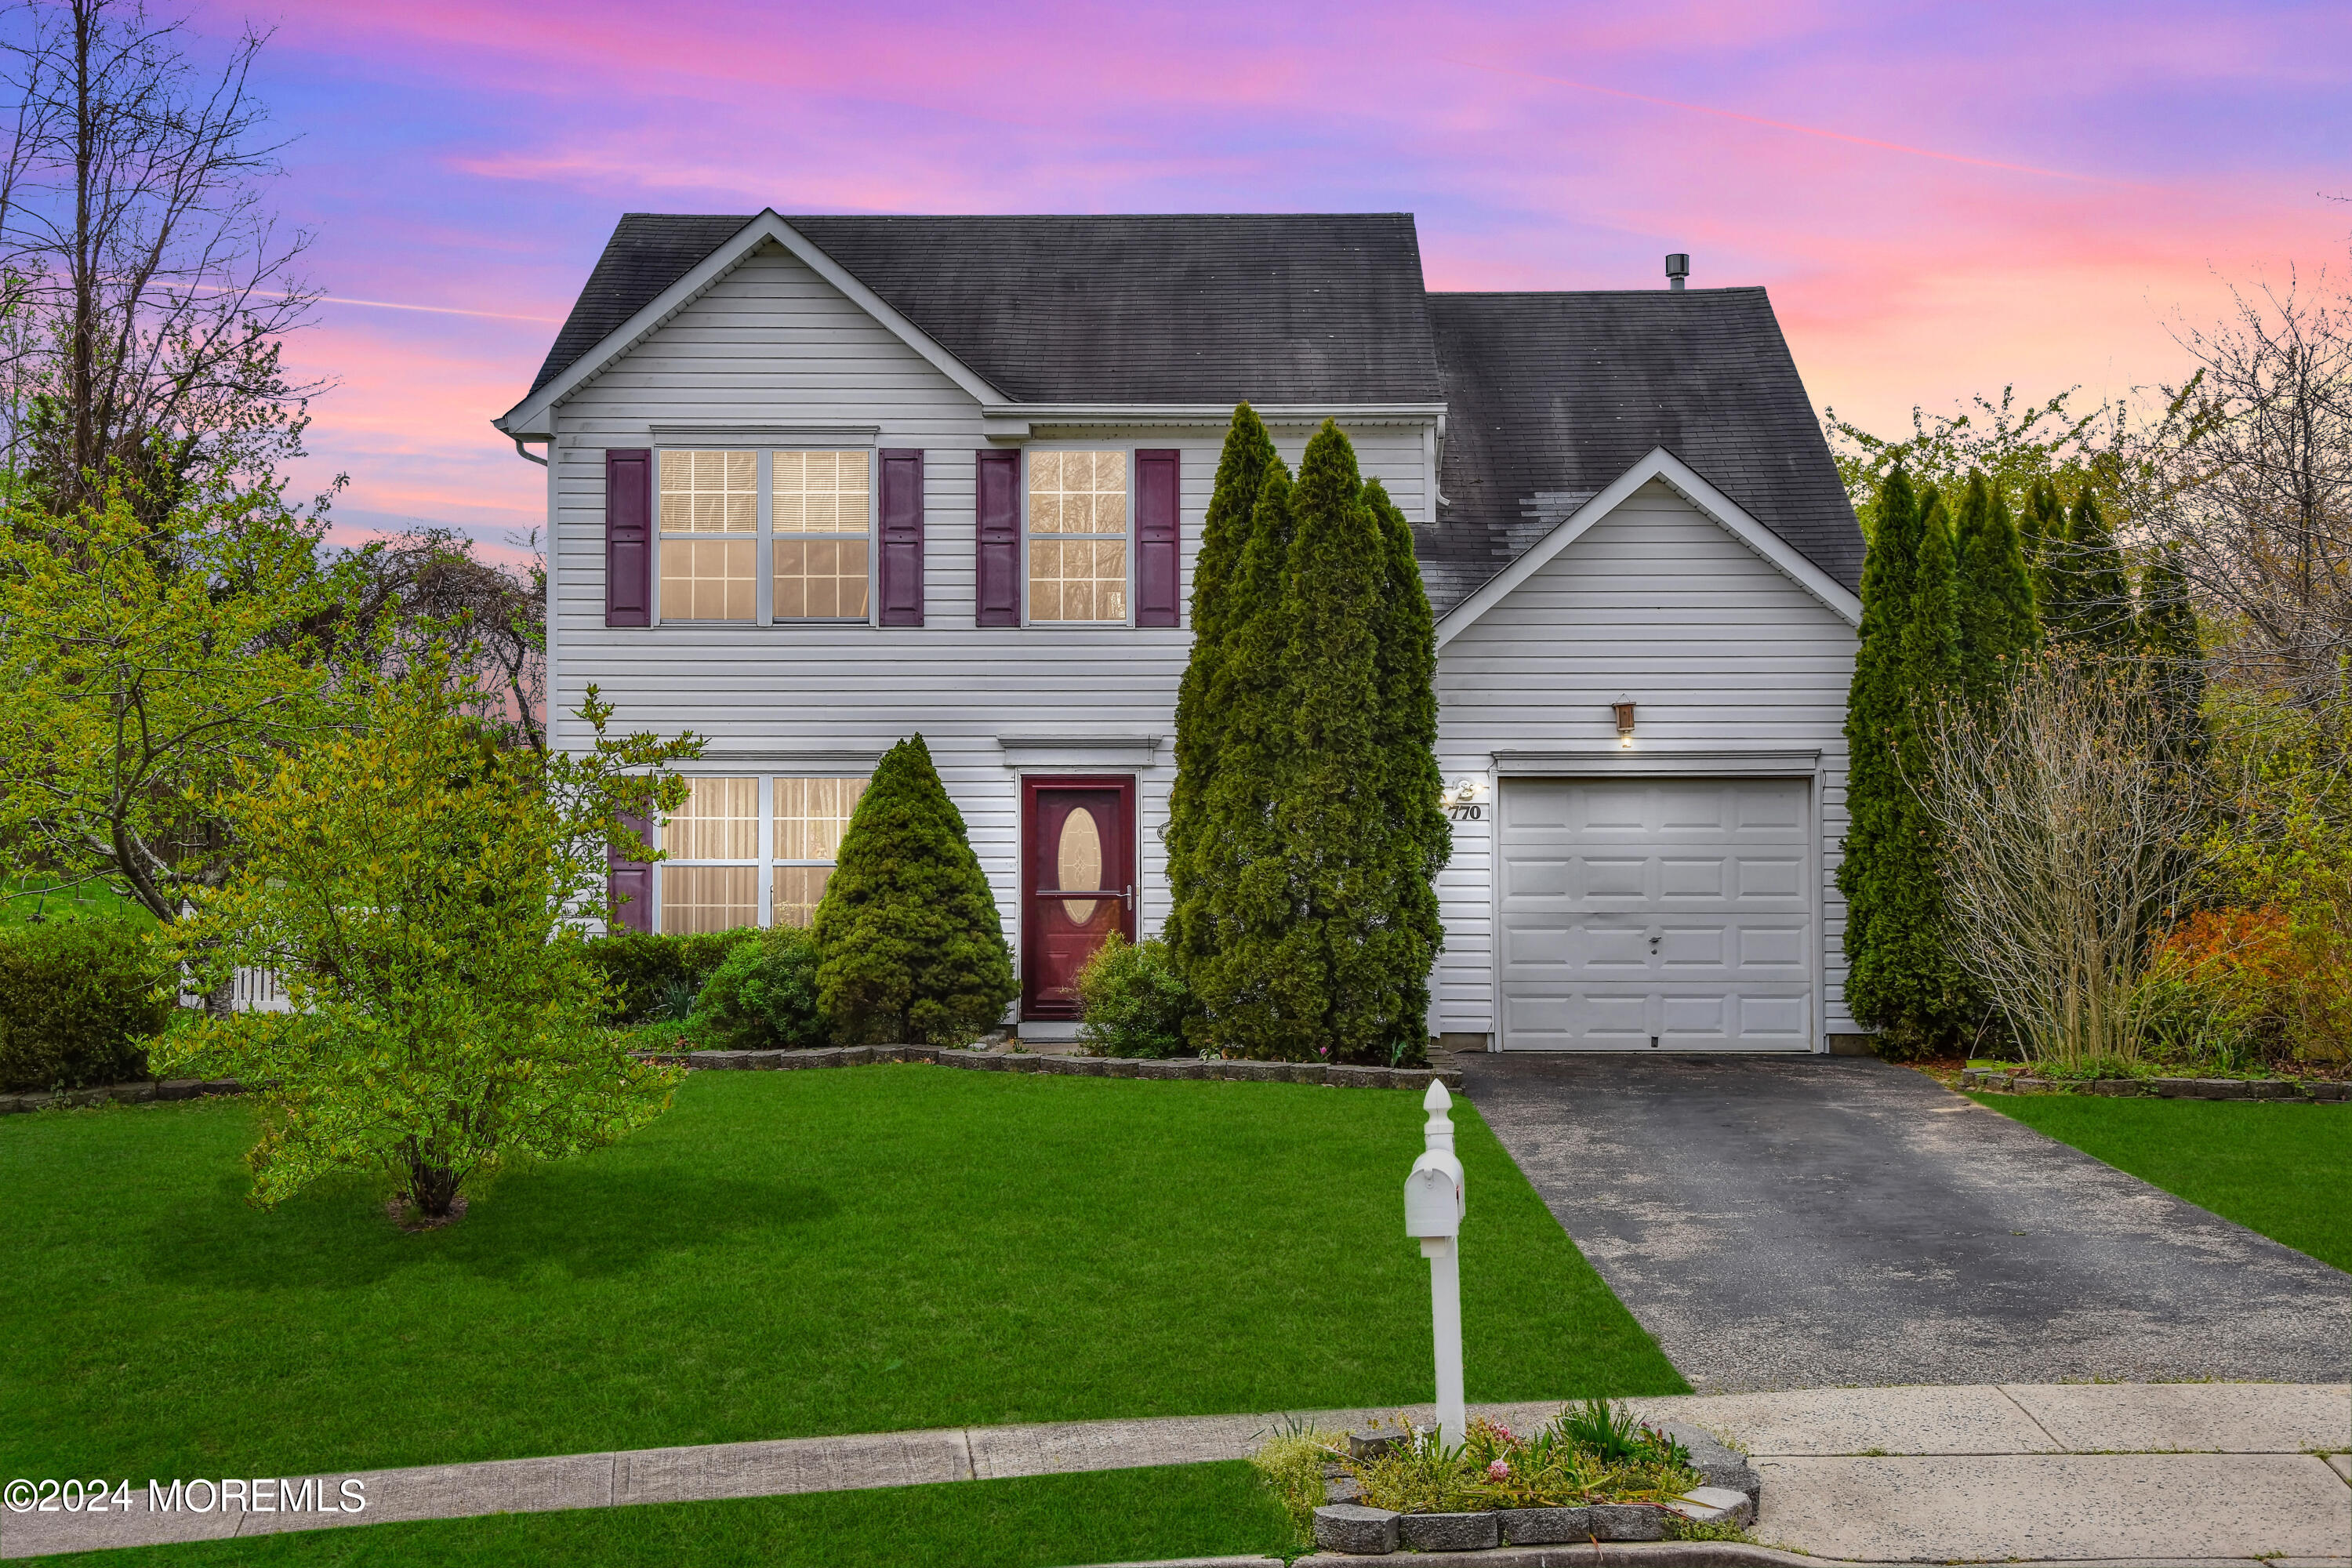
(910, 945)
(2168, 639)
(1995, 595)
(2086, 608)
(1406, 642)
(1249, 456)
(2041, 525)
(1243, 900)
(1900, 980)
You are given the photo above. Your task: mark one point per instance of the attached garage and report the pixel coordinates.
(1660, 913)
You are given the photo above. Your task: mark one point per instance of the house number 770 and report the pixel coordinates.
(1465, 812)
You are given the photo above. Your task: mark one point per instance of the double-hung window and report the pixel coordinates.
(811, 816)
(709, 536)
(731, 830)
(808, 513)
(821, 507)
(1077, 536)
(711, 875)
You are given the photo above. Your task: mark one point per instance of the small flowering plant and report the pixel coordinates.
(1592, 1453)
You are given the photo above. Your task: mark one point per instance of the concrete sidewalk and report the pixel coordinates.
(2076, 1472)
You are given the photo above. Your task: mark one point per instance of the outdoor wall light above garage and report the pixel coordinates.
(1624, 709)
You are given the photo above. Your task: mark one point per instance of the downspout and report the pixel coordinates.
(520, 451)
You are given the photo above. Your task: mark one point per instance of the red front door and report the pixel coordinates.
(1077, 883)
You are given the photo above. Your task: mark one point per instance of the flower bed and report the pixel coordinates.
(1591, 1473)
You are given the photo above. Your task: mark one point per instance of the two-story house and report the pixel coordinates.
(814, 484)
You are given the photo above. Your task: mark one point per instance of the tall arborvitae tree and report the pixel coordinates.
(1413, 788)
(1899, 980)
(2089, 611)
(1996, 595)
(1328, 811)
(2168, 640)
(1249, 456)
(2043, 523)
(1243, 900)
(911, 946)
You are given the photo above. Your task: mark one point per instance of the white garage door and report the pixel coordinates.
(1668, 914)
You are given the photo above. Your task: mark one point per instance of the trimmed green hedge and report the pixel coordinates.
(79, 1001)
(644, 970)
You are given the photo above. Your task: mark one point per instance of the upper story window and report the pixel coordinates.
(1077, 536)
(813, 517)
(823, 513)
(710, 524)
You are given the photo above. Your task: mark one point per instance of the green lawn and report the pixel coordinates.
(783, 1255)
(1042, 1522)
(2280, 1169)
(21, 898)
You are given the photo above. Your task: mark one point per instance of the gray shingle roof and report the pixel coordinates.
(1273, 308)
(1550, 397)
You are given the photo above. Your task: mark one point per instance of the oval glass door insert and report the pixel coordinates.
(1078, 862)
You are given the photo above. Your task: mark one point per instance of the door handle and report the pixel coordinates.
(1130, 897)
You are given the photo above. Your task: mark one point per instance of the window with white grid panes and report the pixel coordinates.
(709, 514)
(820, 505)
(710, 869)
(1077, 536)
(809, 816)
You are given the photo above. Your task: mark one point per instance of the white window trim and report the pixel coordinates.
(1128, 450)
(763, 535)
(765, 865)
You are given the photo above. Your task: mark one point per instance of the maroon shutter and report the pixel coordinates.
(628, 538)
(996, 565)
(902, 539)
(1159, 533)
(631, 879)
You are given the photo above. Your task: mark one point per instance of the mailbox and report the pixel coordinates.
(1432, 1196)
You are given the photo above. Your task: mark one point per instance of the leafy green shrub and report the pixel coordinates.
(1132, 1003)
(912, 946)
(1291, 1464)
(79, 1001)
(645, 972)
(764, 996)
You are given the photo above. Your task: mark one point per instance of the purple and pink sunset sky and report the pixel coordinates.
(1941, 199)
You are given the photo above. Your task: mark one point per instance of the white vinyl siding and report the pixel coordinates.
(771, 344)
(1718, 649)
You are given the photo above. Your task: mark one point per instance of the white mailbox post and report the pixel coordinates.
(1433, 1216)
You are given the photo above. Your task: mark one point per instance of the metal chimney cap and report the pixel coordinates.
(1677, 268)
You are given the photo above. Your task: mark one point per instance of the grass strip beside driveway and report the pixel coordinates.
(783, 1255)
(2281, 1169)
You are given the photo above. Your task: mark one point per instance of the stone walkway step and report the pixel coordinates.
(2168, 1472)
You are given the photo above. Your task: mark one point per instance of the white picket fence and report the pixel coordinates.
(253, 990)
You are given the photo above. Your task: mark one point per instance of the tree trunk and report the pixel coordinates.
(432, 1189)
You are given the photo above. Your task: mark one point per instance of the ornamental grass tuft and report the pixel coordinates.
(1594, 1453)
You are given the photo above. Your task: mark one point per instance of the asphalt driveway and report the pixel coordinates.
(1820, 1222)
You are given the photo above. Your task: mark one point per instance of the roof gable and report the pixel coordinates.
(1273, 308)
(1551, 397)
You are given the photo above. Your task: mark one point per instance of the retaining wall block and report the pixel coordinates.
(1355, 1078)
(2201, 1088)
(1088, 1067)
(2274, 1088)
(1545, 1526)
(1713, 1505)
(2124, 1087)
(1123, 1067)
(1448, 1531)
(1722, 1465)
(132, 1093)
(1627, 1522)
(2329, 1092)
(1025, 1062)
(179, 1089)
(1372, 1444)
(856, 1056)
(1355, 1529)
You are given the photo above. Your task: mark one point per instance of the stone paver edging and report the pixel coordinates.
(1061, 1066)
(2019, 1081)
(1866, 1475)
(1189, 1068)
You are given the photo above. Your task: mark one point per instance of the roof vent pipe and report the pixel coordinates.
(1677, 268)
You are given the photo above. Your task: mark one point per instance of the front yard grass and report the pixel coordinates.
(2280, 1169)
(783, 1255)
(1043, 1521)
